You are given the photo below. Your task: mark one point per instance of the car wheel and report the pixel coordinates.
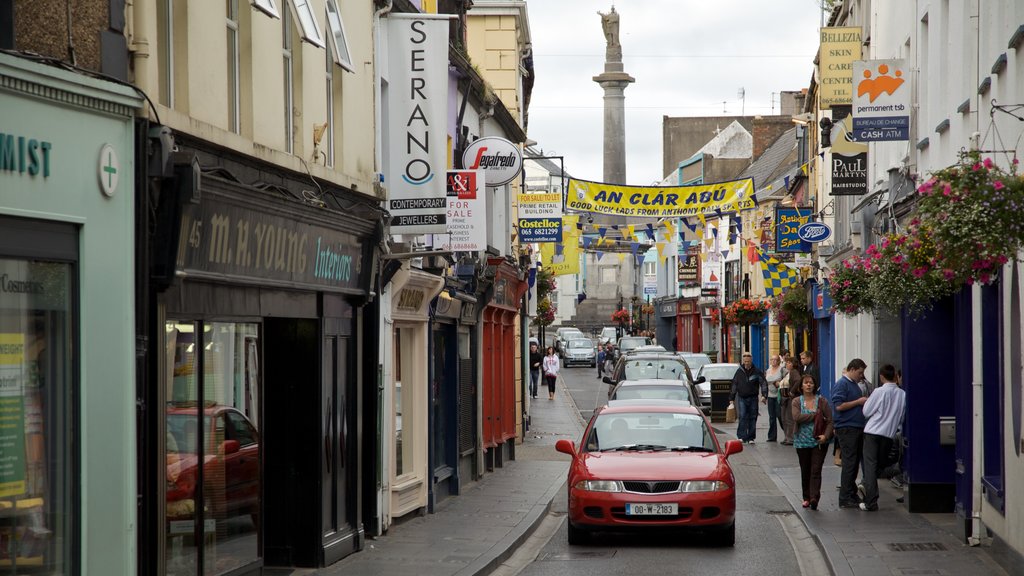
(725, 538)
(577, 536)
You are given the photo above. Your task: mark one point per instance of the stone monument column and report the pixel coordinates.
(614, 82)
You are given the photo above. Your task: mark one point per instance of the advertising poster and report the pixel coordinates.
(840, 47)
(789, 221)
(466, 213)
(12, 415)
(564, 258)
(661, 201)
(540, 217)
(881, 104)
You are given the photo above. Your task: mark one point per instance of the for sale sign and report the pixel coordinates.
(466, 213)
(540, 217)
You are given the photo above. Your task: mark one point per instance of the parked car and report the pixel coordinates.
(647, 348)
(694, 360)
(650, 465)
(564, 335)
(714, 372)
(627, 343)
(231, 468)
(608, 334)
(680, 390)
(580, 351)
(650, 365)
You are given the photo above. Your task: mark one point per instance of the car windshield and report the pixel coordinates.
(695, 361)
(608, 333)
(181, 433)
(654, 369)
(580, 344)
(653, 392)
(657, 431)
(632, 342)
(719, 371)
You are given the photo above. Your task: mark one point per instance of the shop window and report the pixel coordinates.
(37, 468)
(212, 416)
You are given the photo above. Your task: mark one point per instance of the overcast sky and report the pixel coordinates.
(689, 58)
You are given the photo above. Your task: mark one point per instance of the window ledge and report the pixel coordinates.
(942, 126)
(1017, 38)
(965, 107)
(985, 85)
(992, 488)
(922, 143)
(999, 65)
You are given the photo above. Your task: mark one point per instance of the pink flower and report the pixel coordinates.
(919, 272)
(948, 274)
(976, 167)
(946, 190)
(998, 185)
(988, 162)
(984, 278)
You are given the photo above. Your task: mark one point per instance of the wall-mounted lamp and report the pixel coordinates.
(826, 132)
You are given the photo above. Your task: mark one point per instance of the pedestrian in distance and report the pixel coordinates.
(813, 418)
(551, 366)
(807, 366)
(789, 390)
(748, 384)
(600, 361)
(536, 360)
(884, 411)
(848, 403)
(775, 375)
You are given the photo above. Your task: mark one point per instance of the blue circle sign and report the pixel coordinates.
(814, 232)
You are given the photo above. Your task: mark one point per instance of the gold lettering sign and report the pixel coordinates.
(409, 299)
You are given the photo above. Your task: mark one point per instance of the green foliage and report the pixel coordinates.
(791, 307)
(545, 313)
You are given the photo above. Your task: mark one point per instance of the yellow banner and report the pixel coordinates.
(840, 46)
(660, 202)
(568, 262)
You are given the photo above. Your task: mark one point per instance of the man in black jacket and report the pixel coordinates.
(748, 386)
(536, 358)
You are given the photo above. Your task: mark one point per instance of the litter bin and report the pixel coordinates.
(720, 390)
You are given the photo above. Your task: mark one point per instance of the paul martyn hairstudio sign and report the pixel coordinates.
(232, 241)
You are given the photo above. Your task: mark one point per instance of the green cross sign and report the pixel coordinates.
(109, 168)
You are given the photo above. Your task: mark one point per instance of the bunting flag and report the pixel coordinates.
(714, 232)
(632, 231)
(615, 227)
(786, 181)
(650, 231)
(559, 249)
(804, 167)
(622, 257)
(602, 231)
(587, 241)
(670, 227)
(599, 254)
(777, 276)
(634, 246)
(753, 254)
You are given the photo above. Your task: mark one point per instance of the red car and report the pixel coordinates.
(650, 464)
(231, 470)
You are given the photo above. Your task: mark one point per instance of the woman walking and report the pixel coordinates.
(813, 417)
(775, 375)
(551, 366)
(789, 388)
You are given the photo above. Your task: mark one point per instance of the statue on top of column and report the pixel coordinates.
(610, 24)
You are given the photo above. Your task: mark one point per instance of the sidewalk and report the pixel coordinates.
(473, 533)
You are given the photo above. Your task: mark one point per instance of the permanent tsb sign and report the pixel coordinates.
(417, 104)
(661, 202)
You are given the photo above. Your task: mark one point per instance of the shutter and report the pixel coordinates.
(467, 406)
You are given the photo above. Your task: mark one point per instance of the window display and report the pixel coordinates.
(36, 386)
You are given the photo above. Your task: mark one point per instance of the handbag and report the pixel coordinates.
(820, 423)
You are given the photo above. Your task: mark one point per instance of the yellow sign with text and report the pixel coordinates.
(661, 201)
(565, 260)
(840, 47)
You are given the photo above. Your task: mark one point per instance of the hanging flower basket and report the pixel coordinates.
(745, 311)
(621, 316)
(849, 288)
(790, 307)
(972, 212)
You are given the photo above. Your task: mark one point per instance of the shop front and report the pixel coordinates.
(256, 370)
(501, 390)
(690, 335)
(665, 330)
(67, 342)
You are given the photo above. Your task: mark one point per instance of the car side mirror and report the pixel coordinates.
(567, 447)
(229, 446)
(608, 380)
(733, 447)
(700, 379)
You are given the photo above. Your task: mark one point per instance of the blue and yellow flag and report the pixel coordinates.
(777, 276)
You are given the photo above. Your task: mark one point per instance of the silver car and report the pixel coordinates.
(580, 351)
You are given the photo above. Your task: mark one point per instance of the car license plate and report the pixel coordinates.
(652, 509)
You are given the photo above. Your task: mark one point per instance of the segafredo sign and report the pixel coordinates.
(814, 232)
(499, 158)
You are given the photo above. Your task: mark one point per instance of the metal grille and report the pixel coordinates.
(467, 406)
(917, 547)
(650, 487)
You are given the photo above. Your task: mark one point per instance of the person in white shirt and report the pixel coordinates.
(885, 410)
(551, 366)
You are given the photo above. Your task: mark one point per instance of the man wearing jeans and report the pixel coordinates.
(884, 411)
(848, 414)
(747, 386)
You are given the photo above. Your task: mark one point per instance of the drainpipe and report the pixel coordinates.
(976, 421)
(137, 16)
(378, 105)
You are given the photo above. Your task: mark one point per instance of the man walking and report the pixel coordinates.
(884, 411)
(536, 359)
(600, 360)
(848, 414)
(747, 386)
(807, 366)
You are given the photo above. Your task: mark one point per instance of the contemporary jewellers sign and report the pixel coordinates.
(417, 106)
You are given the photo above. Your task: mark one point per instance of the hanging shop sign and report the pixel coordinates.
(840, 47)
(787, 229)
(417, 105)
(222, 240)
(540, 217)
(661, 202)
(466, 214)
(814, 232)
(881, 104)
(849, 158)
(498, 158)
(688, 269)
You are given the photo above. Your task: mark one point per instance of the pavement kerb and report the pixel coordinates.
(826, 543)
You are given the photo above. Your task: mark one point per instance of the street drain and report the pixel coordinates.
(917, 547)
(578, 555)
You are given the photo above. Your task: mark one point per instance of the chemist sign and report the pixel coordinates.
(466, 213)
(881, 102)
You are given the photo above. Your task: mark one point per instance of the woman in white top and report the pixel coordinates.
(775, 375)
(550, 367)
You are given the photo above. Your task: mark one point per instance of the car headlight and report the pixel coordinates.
(599, 485)
(703, 486)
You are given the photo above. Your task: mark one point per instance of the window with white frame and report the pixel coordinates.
(328, 146)
(234, 117)
(165, 39)
(268, 7)
(337, 37)
(308, 27)
(289, 94)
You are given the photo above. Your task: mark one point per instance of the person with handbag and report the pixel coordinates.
(775, 375)
(551, 366)
(812, 416)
